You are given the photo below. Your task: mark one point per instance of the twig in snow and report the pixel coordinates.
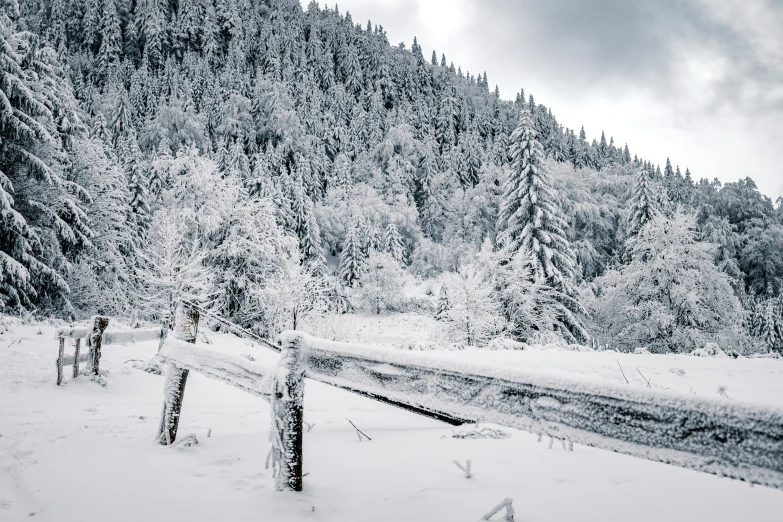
(359, 432)
(645, 378)
(722, 391)
(311, 426)
(17, 340)
(621, 371)
(465, 469)
(186, 442)
(505, 504)
(209, 432)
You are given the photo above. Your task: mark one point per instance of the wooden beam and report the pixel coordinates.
(60, 356)
(76, 357)
(94, 343)
(249, 376)
(287, 415)
(729, 438)
(185, 329)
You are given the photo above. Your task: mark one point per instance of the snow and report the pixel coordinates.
(250, 376)
(58, 443)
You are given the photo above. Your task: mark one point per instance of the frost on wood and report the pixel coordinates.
(131, 336)
(465, 469)
(94, 343)
(173, 390)
(72, 333)
(728, 438)
(60, 357)
(185, 330)
(509, 511)
(287, 411)
(112, 337)
(250, 376)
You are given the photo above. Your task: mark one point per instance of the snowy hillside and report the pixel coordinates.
(83, 452)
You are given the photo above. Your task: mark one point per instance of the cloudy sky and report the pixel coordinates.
(700, 81)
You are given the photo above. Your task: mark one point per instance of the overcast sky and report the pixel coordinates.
(700, 81)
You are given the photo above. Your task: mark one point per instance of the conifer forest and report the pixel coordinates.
(280, 163)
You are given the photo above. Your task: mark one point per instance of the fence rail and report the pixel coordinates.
(96, 337)
(741, 441)
(727, 438)
(249, 376)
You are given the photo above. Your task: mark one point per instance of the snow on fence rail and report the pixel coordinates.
(97, 337)
(727, 438)
(741, 441)
(250, 376)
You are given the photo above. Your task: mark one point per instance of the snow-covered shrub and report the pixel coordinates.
(172, 265)
(475, 315)
(428, 259)
(670, 297)
(502, 343)
(381, 280)
(709, 350)
(297, 295)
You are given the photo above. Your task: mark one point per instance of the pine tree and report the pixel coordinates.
(121, 121)
(351, 259)
(529, 217)
(136, 174)
(392, 243)
(642, 204)
(238, 165)
(769, 331)
(443, 304)
(91, 23)
(111, 38)
(42, 211)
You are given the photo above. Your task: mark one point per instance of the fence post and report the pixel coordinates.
(60, 356)
(76, 358)
(94, 342)
(287, 412)
(185, 329)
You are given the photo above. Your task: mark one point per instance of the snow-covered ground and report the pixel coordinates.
(85, 453)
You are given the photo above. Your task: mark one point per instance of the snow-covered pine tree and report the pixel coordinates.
(443, 303)
(351, 258)
(111, 38)
(769, 330)
(41, 209)
(529, 217)
(393, 244)
(642, 204)
(121, 121)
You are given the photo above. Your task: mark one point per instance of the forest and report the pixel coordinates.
(277, 164)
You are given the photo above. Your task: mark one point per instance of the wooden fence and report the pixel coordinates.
(727, 438)
(96, 338)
